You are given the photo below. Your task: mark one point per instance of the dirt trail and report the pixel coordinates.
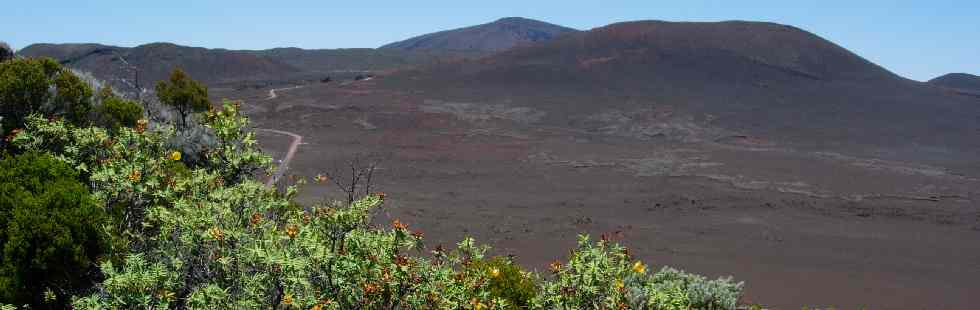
(297, 140)
(284, 165)
(273, 95)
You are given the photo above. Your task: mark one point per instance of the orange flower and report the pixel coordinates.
(398, 224)
(418, 234)
(135, 176)
(256, 218)
(555, 266)
(401, 260)
(381, 195)
(370, 288)
(141, 125)
(292, 230)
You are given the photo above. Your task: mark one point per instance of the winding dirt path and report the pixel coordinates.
(297, 140)
(273, 95)
(284, 164)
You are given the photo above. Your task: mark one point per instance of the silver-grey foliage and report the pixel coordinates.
(193, 140)
(721, 293)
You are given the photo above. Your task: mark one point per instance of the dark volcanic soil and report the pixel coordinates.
(800, 227)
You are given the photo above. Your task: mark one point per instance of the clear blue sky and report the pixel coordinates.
(917, 39)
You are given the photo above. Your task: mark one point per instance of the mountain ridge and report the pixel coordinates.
(765, 80)
(963, 83)
(154, 61)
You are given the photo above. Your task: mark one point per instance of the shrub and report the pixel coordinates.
(41, 86)
(115, 112)
(24, 85)
(721, 293)
(72, 98)
(50, 231)
(507, 281)
(602, 275)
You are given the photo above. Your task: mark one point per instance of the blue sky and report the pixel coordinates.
(916, 39)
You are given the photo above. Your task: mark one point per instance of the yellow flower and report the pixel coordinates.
(620, 284)
(175, 156)
(639, 267)
(288, 300)
(217, 234)
(494, 272)
(317, 307)
(476, 304)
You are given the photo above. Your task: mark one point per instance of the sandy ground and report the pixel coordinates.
(801, 228)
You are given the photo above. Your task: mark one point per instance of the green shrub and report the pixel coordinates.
(41, 86)
(115, 112)
(507, 281)
(601, 275)
(72, 98)
(50, 231)
(24, 88)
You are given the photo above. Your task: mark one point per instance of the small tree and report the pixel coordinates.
(184, 94)
(6, 53)
(73, 98)
(50, 231)
(355, 176)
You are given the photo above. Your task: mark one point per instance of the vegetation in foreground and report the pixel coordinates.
(165, 213)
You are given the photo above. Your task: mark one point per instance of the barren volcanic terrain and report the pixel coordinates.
(756, 150)
(800, 227)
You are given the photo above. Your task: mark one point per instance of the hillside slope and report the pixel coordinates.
(220, 66)
(155, 61)
(710, 81)
(499, 35)
(964, 83)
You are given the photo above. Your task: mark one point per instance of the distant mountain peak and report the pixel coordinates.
(964, 83)
(502, 34)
